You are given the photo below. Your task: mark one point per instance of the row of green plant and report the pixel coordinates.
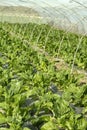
(57, 43)
(34, 94)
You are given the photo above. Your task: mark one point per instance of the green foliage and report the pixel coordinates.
(33, 94)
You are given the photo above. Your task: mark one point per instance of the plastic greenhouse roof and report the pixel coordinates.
(62, 13)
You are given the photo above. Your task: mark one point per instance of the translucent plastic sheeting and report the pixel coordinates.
(70, 15)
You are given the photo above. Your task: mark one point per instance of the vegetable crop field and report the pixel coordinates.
(43, 79)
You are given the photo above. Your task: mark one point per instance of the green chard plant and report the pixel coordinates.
(34, 94)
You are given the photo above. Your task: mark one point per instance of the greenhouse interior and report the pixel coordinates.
(43, 65)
